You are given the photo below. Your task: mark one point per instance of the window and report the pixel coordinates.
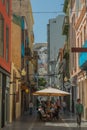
(3, 1)
(7, 43)
(54, 21)
(84, 33)
(0, 80)
(7, 6)
(72, 3)
(1, 35)
(81, 39)
(78, 42)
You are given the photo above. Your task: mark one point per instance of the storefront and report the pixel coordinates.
(73, 91)
(4, 98)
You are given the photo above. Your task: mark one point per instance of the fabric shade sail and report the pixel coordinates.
(51, 92)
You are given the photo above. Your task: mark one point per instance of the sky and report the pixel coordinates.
(43, 10)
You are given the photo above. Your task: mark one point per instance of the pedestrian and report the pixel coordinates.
(58, 103)
(58, 107)
(64, 106)
(31, 107)
(79, 111)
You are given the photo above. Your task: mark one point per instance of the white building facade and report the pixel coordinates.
(55, 41)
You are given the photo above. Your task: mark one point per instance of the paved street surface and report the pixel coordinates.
(27, 122)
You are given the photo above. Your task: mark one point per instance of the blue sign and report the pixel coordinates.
(22, 23)
(22, 50)
(83, 57)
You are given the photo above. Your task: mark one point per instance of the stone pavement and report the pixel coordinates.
(23, 123)
(27, 122)
(70, 121)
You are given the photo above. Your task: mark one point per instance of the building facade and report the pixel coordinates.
(41, 49)
(78, 21)
(24, 10)
(59, 69)
(55, 41)
(5, 51)
(66, 53)
(15, 86)
(16, 34)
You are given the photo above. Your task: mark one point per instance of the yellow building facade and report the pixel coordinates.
(78, 20)
(15, 85)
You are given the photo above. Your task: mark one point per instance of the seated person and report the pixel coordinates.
(41, 112)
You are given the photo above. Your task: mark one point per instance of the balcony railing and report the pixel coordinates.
(28, 53)
(66, 2)
(65, 26)
(32, 36)
(66, 54)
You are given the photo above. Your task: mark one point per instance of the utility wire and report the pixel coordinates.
(42, 12)
(48, 12)
(55, 11)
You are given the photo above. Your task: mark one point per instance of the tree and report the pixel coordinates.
(42, 81)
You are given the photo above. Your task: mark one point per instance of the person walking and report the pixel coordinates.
(64, 106)
(30, 107)
(79, 111)
(58, 108)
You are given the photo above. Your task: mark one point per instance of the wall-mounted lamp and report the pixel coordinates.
(12, 82)
(23, 72)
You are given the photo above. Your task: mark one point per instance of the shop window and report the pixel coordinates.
(7, 44)
(0, 80)
(1, 35)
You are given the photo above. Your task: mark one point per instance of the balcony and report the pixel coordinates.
(16, 19)
(66, 54)
(65, 5)
(32, 36)
(65, 26)
(28, 53)
(66, 51)
(61, 67)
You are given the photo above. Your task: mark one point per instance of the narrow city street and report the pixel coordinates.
(43, 64)
(27, 122)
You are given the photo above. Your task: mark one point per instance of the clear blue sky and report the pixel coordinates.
(41, 19)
